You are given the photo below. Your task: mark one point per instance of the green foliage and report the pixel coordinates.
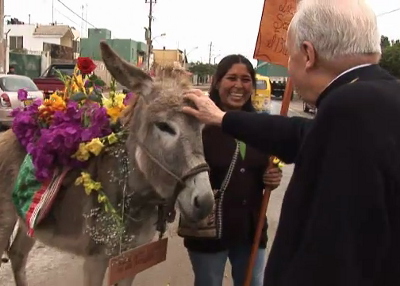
(391, 56)
(385, 42)
(202, 69)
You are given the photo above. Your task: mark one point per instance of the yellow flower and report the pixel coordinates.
(114, 113)
(112, 138)
(78, 83)
(95, 146)
(82, 154)
(277, 162)
(88, 184)
(57, 102)
(101, 198)
(91, 186)
(119, 99)
(107, 102)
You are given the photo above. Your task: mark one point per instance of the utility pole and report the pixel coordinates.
(149, 34)
(52, 11)
(209, 55)
(82, 22)
(3, 68)
(86, 25)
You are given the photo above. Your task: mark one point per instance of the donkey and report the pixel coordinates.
(163, 161)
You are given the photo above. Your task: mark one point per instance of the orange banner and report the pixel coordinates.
(271, 40)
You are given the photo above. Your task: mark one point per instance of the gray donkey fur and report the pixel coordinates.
(171, 137)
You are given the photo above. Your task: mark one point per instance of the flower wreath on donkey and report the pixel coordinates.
(61, 133)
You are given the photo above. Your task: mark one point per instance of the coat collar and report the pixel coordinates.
(364, 72)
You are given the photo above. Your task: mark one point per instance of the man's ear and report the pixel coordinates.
(309, 54)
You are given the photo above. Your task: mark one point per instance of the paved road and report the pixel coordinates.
(49, 267)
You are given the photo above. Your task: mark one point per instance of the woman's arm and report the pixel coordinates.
(273, 134)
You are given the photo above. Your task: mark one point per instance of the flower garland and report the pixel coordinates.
(71, 125)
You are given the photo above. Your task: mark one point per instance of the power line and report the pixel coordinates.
(66, 17)
(388, 12)
(76, 14)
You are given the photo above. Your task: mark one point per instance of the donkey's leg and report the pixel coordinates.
(18, 254)
(94, 269)
(8, 220)
(4, 258)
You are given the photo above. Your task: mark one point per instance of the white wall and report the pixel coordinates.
(31, 43)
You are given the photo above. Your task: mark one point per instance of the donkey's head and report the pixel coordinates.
(164, 143)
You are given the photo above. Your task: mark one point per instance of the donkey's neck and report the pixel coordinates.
(139, 189)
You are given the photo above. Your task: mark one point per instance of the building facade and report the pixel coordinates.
(132, 51)
(31, 37)
(169, 57)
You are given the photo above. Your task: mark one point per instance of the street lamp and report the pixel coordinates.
(162, 35)
(216, 58)
(149, 41)
(187, 54)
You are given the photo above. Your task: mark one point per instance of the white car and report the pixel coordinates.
(9, 86)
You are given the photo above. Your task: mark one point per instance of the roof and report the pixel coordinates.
(52, 30)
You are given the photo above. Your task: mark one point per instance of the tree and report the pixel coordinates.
(385, 42)
(202, 69)
(391, 57)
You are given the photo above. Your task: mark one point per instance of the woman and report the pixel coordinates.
(238, 177)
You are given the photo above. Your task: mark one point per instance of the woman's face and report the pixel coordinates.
(236, 87)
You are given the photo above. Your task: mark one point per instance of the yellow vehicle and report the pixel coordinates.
(261, 99)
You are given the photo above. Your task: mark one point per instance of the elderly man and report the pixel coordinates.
(340, 220)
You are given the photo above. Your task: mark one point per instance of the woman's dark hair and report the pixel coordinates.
(223, 67)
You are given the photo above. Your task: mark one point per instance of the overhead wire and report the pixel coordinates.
(66, 17)
(76, 14)
(388, 12)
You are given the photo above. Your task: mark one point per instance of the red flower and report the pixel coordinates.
(86, 65)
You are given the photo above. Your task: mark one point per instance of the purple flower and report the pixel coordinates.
(52, 146)
(22, 94)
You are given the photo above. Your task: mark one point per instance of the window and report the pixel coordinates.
(13, 83)
(76, 46)
(63, 69)
(16, 42)
(261, 84)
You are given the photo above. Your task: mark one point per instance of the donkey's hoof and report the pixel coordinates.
(4, 259)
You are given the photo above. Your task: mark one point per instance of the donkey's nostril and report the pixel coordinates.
(196, 202)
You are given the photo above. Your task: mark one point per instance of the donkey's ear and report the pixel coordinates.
(125, 73)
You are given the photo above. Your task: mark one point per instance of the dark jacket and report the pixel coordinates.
(243, 196)
(340, 220)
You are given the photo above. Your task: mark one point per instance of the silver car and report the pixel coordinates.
(9, 86)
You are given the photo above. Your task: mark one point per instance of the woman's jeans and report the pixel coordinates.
(209, 268)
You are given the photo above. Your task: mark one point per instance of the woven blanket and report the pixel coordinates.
(34, 199)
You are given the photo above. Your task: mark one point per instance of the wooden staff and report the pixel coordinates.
(287, 96)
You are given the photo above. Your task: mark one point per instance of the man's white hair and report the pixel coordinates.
(336, 28)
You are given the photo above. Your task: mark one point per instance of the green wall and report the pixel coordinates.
(126, 48)
(28, 65)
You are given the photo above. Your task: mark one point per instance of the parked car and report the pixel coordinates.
(9, 86)
(49, 82)
(308, 108)
(261, 98)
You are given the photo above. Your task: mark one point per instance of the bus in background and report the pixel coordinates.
(261, 99)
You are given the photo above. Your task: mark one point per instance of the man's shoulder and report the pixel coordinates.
(360, 95)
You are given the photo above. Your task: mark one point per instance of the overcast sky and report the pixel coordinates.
(230, 25)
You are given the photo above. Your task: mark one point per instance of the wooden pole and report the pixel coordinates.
(3, 68)
(287, 96)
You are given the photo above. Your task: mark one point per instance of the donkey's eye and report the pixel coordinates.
(165, 127)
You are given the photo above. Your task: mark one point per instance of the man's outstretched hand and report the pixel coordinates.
(207, 112)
